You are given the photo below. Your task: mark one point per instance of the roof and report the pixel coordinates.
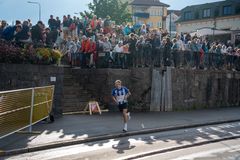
(176, 12)
(212, 3)
(197, 10)
(148, 3)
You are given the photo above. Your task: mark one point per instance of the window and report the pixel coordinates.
(188, 15)
(160, 12)
(216, 12)
(238, 9)
(150, 24)
(206, 13)
(159, 24)
(227, 10)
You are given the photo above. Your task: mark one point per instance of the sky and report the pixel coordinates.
(12, 10)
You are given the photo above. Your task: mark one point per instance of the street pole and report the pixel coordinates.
(170, 25)
(39, 8)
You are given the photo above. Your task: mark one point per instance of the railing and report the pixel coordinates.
(23, 108)
(159, 58)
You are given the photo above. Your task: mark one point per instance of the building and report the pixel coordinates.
(172, 17)
(217, 16)
(151, 12)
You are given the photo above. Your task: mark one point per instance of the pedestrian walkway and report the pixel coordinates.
(84, 127)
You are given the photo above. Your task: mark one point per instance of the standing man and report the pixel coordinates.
(120, 95)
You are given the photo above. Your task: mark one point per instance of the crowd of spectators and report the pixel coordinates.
(87, 42)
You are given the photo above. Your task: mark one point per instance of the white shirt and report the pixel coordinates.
(118, 49)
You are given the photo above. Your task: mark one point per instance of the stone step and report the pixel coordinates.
(70, 83)
(76, 107)
(78, 99)
(70, 96)
(74, 102)
(73, 109)
(75, 91)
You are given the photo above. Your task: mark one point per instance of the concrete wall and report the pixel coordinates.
(204, 89)
(18, 76)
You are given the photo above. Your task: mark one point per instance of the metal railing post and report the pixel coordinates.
(31, 112)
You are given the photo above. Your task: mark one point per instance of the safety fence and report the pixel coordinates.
(23, 108)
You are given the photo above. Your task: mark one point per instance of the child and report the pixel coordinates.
(120, 95)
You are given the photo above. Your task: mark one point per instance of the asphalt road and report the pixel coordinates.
(164, 145)
(224, 150)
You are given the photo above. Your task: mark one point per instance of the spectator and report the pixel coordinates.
(85, 50)
(24, 33)
(156, 43)
(140, 51)
(52, 23)
(92, 55)
(132, 49)
(58, 23)
(94, 23)
(212, 52)
(37, 33)
(118, 49)
(8, 33)
(167, 52)
(175, 48)
(107, 25)
(147, 50)
(79, 27)
(143, 30)
(195, 53)
(3, 26)
(127, 30)
(107, 47)
(65, 28)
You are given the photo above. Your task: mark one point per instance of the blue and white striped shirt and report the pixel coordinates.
(120, 94)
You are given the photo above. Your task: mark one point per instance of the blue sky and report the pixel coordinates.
(12, 10)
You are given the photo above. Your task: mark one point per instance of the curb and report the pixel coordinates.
(105, 137)
(171, 149)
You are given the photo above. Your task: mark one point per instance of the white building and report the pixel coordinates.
(221, 16)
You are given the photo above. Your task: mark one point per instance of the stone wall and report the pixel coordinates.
(18, 76)
(100, 82)
(191, 89)
(194, 89)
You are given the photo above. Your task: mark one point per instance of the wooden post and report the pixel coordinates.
(169, 88)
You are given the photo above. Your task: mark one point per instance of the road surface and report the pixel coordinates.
(202, 143)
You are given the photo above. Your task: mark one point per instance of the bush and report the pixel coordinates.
(11, 53)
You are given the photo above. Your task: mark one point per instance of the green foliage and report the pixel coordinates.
(86, 13)
(116, 9)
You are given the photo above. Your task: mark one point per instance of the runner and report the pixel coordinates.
(120, 95)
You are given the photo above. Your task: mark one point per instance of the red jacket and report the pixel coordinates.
(85, 46)
(93, 47)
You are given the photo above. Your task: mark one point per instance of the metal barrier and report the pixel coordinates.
(23, 108)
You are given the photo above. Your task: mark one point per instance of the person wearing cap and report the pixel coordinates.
(120, 96)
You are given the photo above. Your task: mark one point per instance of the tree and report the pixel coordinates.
(86, 13)
(116, 9)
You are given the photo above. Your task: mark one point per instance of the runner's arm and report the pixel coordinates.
(114, 99)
